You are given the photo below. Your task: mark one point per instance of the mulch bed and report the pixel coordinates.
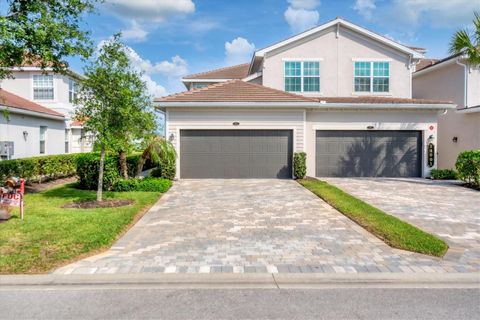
(36, 187)
(110, 203)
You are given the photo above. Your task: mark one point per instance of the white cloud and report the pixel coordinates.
(365, 8)
(135, 34)
(153, 88)
(150, 10)
(302, 14)
(238, 51)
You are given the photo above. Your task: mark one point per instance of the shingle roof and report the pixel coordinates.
(423, 63)
(235, 91)
(241, 91)
(12, 100)
(239, 71)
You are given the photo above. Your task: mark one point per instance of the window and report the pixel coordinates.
(42, 87)
(72, 90)
(197, 85)
(302, 76)
(67, 139)
(372, 76)
(43, 138)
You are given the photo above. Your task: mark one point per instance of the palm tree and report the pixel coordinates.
(464, 43)
(158, 150)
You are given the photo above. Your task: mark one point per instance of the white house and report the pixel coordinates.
(452, 79)
(28, 129)
(338, 92)
(56, 92)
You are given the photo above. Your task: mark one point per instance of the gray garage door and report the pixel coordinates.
(236, 154)
(368, 153)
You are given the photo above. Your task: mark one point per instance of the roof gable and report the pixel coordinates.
(348, 25)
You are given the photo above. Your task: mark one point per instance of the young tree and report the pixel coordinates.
(114, 103)
(43, 32)
(463, 42)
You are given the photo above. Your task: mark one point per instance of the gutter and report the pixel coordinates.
(32, 113)
(465, 82)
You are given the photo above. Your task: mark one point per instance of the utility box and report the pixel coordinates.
(7, 149)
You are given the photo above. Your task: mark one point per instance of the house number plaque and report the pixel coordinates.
(431, 155)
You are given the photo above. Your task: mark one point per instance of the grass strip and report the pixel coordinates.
(51, 236)
(395, 232)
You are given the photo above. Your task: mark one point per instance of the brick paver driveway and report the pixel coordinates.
(203, 226)
(444, 208)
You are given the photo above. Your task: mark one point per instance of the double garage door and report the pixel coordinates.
(268, 153)
(236, 154)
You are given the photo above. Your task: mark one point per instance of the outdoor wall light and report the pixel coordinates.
(455, 139)
(25, 135)
(171, 137)
(430, 138)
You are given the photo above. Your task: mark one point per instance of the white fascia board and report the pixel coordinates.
(314, 105)
(475, 109)
(363, 31)
(32, 113)
(252, 76)
(68, 71)
(206, 80)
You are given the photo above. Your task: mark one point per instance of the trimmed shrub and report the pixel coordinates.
(443, 174)
(299, 165)
(156, 173)
(147, 184)
(167, 170)
(468, 167)
(39, 168)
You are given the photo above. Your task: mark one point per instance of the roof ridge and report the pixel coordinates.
(214, 70)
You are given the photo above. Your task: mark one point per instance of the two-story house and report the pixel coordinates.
(338, 92)
(53, 91)
(452, 79)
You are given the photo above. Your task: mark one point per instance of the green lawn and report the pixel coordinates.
(393, 231)
(51, 236)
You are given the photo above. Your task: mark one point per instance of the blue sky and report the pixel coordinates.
(172, 38)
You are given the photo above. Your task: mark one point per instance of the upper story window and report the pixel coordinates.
(43, 87)
(72, 90)
(199, 85)
(302, 76)
(372, 76)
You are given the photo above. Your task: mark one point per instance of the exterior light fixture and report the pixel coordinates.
(455, 139)
(171, 137)
(25, 135)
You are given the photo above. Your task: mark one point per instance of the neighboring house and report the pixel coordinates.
(452, 79)
(54, 91)
(28, 129)
(338, 92)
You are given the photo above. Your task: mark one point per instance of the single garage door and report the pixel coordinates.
(236, 154)
(368, 153)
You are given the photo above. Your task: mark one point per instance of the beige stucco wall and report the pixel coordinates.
(223, 119)
(337, 65)
(447, 83)
(360, 120)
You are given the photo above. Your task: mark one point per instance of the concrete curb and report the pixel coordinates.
(259, 280)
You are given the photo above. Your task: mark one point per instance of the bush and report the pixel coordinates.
(147, 184)
(443, 174)
(88, 168)
(167, 170)
(468, 167)
(299, 165)
(156, 173)
(38, 168)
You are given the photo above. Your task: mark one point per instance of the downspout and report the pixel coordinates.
(465, 82)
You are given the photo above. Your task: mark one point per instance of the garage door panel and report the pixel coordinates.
(368, 153)
(236, 153)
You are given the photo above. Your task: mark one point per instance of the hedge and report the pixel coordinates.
(468, 167)
(299, 165)
(88, 165)
(40, 168)
(443, 174)
(147, 184)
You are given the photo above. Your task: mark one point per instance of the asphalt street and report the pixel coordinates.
(146, 302)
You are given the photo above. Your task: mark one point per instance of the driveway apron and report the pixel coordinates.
(237, 226)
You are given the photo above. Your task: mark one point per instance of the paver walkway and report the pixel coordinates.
(203, 226)
(443, 208)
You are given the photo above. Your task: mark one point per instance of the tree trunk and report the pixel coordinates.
(123, 164)
(140, 164)
(100, 174)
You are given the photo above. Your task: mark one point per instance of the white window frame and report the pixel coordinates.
(44, 140)
(302, 76)
(34, 87)
(72, 89)
(371, 62)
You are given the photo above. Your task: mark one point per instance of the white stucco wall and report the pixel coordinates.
(360, 120)
(337, 65)
(223, 119)
(13, 128)
(448, 83)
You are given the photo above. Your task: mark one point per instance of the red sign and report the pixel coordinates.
(11, 199)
